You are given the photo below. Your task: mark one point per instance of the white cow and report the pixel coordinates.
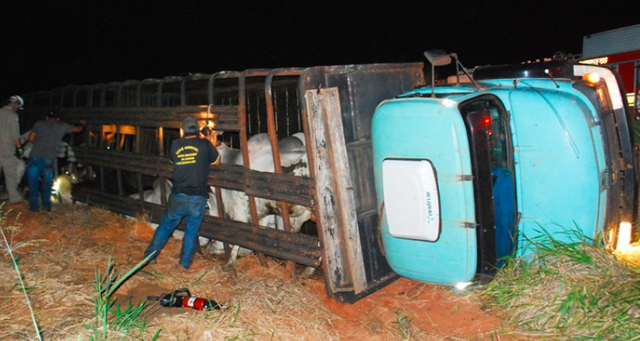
(293, 159)
(229, 156)
(154, 195)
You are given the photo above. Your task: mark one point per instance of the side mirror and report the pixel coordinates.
(438, 57)
(442, 58)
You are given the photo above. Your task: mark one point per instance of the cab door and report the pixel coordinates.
(422, 169)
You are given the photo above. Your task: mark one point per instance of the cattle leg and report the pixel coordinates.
(231, 261)
(308, 272)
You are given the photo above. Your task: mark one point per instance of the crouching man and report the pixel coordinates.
(191, 157)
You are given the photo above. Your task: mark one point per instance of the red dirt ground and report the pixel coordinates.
(433, 312)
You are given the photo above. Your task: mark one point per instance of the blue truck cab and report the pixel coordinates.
(467, 172)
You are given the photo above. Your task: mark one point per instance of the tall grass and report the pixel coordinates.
(129, 323)
(574, 290)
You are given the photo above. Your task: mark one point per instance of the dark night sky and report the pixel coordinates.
(48, 44)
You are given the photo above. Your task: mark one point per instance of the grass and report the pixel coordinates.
(574, 290)
(273, 303)
(565, 291)
(130, 322)
(403, 324)
(64, 275)
(127, 323)
(10, 247)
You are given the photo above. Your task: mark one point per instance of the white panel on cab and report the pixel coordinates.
(411, 199)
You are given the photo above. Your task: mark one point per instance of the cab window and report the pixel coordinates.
(487, 126)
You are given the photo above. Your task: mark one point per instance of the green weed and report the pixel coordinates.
(197, 280)
(403, 324)
(153, 273)
(130, 322)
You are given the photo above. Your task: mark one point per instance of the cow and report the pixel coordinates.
(154, 195)
(293, 160)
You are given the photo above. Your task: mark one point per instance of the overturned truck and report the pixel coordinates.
(130, 126)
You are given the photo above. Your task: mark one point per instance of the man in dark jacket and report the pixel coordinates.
(192, 157)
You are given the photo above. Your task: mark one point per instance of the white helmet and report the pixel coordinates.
(17, 99)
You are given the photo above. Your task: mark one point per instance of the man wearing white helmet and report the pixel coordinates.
(9, 145)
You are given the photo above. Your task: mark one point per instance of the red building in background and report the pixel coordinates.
(620, 49)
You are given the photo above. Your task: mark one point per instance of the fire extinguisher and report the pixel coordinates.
(176, 300)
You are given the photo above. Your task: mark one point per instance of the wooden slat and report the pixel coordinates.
(281, 187)
(299, 248)
(226, 117)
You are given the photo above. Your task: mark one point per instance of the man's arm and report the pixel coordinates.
(216, 155)
(217, 161)
(211, 136)
(32, 137)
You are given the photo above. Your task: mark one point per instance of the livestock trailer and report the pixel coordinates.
(469, 171)
(130, 126)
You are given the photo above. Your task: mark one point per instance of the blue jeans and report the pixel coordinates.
(40, 176)
(179, 206)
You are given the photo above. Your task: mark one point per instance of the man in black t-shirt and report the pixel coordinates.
(191, 157)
